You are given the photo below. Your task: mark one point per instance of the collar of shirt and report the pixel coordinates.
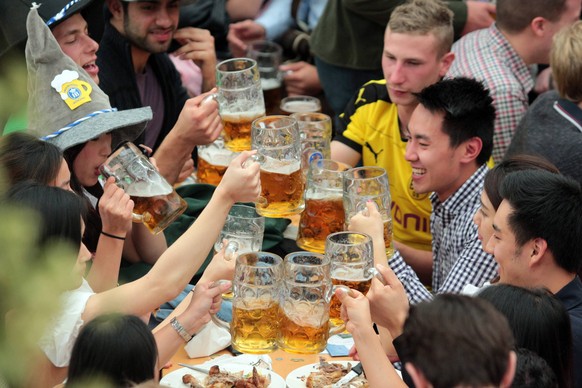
(462, 198)
(570, 111)
(506, 52)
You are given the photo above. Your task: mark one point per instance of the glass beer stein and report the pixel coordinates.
(244, 229)
(269, 56)
(213, 160)
(305, 298)
(279, 153)
(240, 100)
(365, 184)
(324, 209)
(156, 203)
(255, 306)
(352, 265)
(300, 104)
(315, 133)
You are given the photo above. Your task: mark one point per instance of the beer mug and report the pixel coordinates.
(300, 104)
(315, 133)
(305, 299)
(279, 152)
(244, 229)
(213, 160)
(255, 306)
(269, 57)
(240, 100)
(352, 265)
(365, 184)
(156, 203)
(324, 209)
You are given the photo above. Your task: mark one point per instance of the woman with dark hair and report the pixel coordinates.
(539, 323)
(25, 157)
(116, 349)
(165, 280)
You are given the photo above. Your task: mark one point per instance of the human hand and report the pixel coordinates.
(219, 267)
(206, 300)
(241, 33)
(186, 171)
(388, 302)
(369, 222)
(355, 310)
(479, 15)
(543, 81)
(199, 123)
(301, 78)
(115, 209)
(198, 46)
(241, 184)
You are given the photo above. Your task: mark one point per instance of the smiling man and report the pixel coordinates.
(135, 71)
(450, 138)
(373, 128)
(537, 241)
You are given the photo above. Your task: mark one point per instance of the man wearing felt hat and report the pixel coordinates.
(135, 71)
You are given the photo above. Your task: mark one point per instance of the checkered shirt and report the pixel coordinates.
(487, 56)
(458, 258)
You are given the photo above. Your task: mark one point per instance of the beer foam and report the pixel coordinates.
(325, 194)
(350, 274)
(270, 83)
(300, 106)
(156, 186)
(235, 114)
(216, 156)
(285, 167)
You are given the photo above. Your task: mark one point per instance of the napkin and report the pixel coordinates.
(211, 339)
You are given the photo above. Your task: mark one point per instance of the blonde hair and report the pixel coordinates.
(423, 17)
(566, 62)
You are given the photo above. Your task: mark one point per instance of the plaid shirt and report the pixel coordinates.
(458, 256)
(486, 55)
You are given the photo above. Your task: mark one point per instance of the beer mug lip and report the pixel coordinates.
(307, 259)
(236, 65)
(300, 98)
(365, 173)
(310, 117)
(259, 259)
(274, 122)
(347, 238)
(244, 211)
(329, 165)
(264, 47)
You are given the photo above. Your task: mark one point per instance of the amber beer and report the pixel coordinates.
(255, 330)
(388, 233)
(212, 164)
(272, 94)
(302, 334)
(281, 189)
(237, 129)
(156, 210)
(320, 218)
(362, 285)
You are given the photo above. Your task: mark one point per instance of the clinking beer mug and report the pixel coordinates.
(244, 229)
(324, 209)
(305, 300)
(315, 133)
(213, 160)
(240, 100)
(277, 140)
(365, 184)
(255, 306)
(269, 56)
(156, 203)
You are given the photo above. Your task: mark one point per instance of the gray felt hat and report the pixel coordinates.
(65, 106)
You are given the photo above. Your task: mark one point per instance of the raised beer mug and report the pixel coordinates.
(300, 104)
(315, 133)
(277, 140)
(369, 183)
(305, 299)
(213, 160)
(240, 100)
(255, 306)
(352, 265)
(156, 203)
(244, 229)
(324, 209)
(269, 56)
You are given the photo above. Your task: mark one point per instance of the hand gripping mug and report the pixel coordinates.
(305, 300)
(156, 203)
(244, 230)
(255, 306)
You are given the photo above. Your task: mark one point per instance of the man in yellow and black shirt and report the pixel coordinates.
(374, 125)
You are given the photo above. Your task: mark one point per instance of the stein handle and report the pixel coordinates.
(231, 250)
(215, 319)
(375, 273)
(258, 158)
(106, 172)
(212, 96)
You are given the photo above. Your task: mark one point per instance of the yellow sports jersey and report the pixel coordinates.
(370, 126)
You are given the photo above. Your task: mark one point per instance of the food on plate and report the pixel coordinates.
(219, 379)
(329, 373)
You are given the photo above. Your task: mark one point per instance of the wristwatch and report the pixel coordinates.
(180, 330)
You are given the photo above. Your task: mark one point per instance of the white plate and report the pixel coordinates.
(174, 379)
(297, 377)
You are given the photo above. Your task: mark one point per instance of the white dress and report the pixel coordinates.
(57, 343)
